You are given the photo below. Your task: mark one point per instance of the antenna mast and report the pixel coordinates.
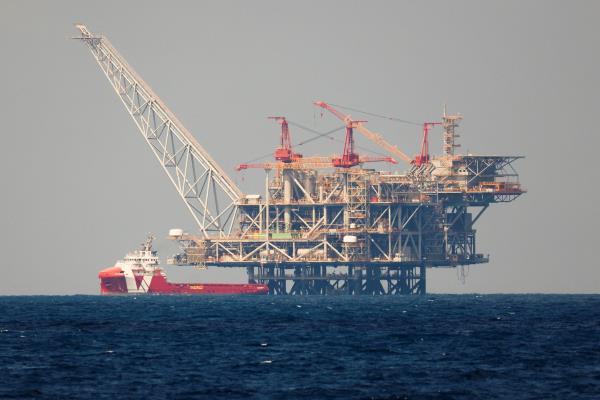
(450, 123)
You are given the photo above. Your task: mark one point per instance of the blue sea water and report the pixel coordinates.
(230, 347)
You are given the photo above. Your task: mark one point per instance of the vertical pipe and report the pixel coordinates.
(267, 205)
(287, 199)
(345, 194)
(423, 280)
(389, 232)
(250, 272)
(309, 186)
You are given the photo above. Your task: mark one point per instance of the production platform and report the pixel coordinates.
(321, 224)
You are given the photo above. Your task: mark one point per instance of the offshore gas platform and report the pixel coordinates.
(321, 225)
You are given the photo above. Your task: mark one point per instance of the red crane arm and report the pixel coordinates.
(373, 136)
(423, 157)
(345, 118)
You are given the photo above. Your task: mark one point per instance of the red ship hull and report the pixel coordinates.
(114, 281)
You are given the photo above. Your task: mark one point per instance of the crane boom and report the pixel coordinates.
(372, 136)
(381, 142)
(312, 163)
(286, 165)
(199, 180)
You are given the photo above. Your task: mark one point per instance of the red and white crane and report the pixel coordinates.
(288, 159)
(423, 157)
(284, 153)
(373, 136)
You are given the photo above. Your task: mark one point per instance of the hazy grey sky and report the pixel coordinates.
(80, 188)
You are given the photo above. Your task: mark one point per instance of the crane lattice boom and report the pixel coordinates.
(209, 194)
(312, 163)
(286, 165)
(372, 136)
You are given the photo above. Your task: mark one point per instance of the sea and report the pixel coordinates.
(267, 347)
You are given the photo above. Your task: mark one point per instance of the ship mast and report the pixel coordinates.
(147, 245)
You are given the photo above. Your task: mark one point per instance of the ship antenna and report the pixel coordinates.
(148, 244)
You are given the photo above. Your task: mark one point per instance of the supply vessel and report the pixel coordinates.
(139, 272)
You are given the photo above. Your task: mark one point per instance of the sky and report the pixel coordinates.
(80, 188)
